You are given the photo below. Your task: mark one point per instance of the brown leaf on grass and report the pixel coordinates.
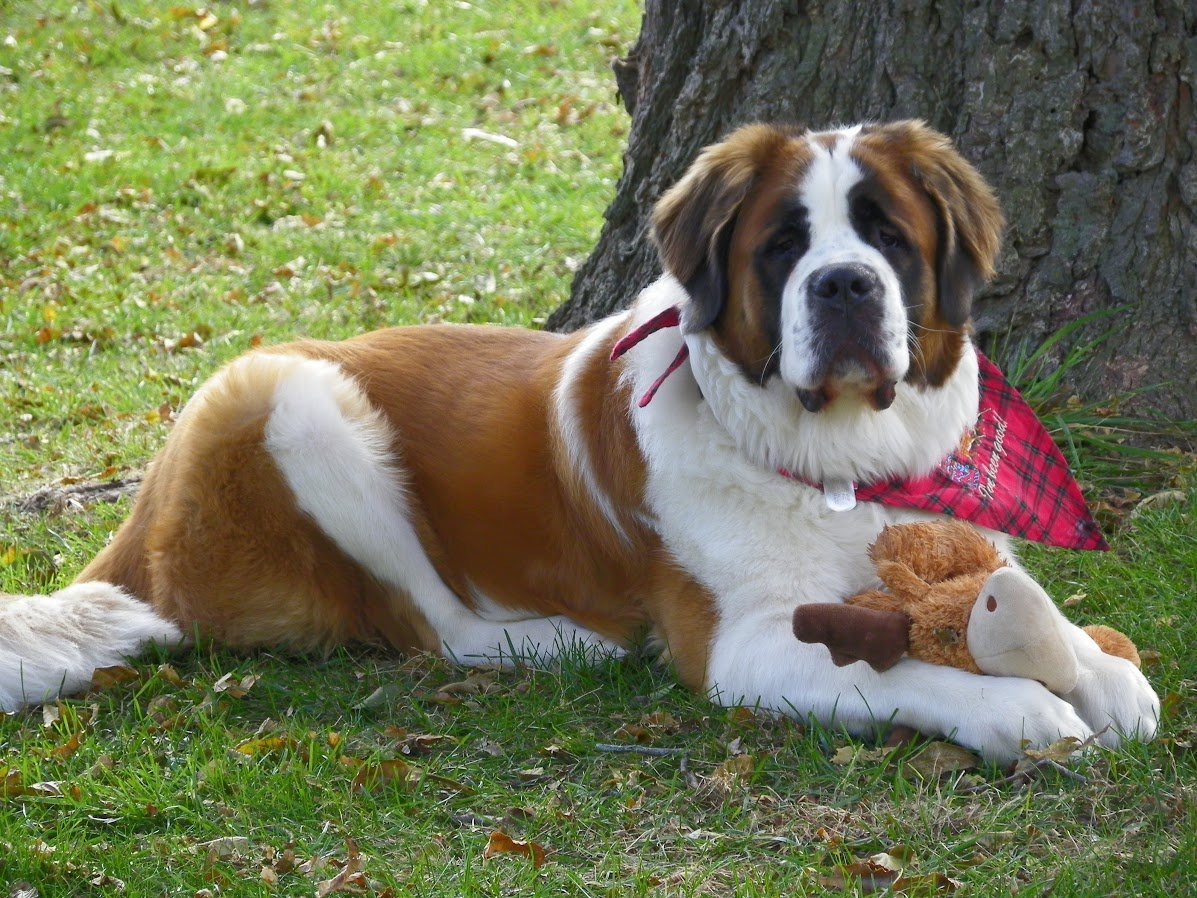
(351, 878)
(849, 754)
(731, 773)
(225, 847)
(932, 884)
(103, 678)
(938, 758)
(740, 765)
(255, 747)
(68, 748)
(868, 876)
(277, 862)
(235, 688)
(51, 714)
(372, 777)
(382, 697)
(11, 784)
(555, 752)
(742, 716)
(501, 843)
(477, 682)
(420, 743)
(1060, 750)
(659, 723)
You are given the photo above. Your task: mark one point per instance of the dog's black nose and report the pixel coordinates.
(845, 285)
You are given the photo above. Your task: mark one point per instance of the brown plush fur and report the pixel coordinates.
(934, 573)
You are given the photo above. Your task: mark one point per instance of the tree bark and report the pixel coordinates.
(1080, 113)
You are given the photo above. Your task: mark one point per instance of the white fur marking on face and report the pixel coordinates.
(565, 410)
(824, 192)
(335, 451)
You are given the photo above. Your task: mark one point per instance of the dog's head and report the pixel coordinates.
(842, 262)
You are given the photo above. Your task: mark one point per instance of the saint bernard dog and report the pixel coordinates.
(489, 493)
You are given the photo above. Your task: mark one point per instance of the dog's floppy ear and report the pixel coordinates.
(694, 221)
(969, 218)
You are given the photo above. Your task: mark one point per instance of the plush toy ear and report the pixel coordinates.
(694, 221)
(936, 551)
(969, 218)
(1115, 643)
(902, 581)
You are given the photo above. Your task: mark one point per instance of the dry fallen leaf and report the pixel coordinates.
(937, 758)
(371, 777)
(166, 671)
(501, 843)
(849, 754)
(649, 726)
(935, 883)
(68, 748)
(270, 744)
(1060, 750)
(234, 688)
(382, 697)
(106, 677)
(225, 847)
(11, 784)
(477, 682)
(51, 714)
(351, 877)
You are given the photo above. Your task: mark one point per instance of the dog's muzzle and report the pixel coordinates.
(846, 303)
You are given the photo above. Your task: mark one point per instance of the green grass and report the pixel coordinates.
(125, 279)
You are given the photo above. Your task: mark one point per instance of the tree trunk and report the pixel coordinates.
(1080, 113)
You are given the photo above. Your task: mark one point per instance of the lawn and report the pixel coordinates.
(180, 184)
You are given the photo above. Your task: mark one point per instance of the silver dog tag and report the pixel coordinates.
(840, 494)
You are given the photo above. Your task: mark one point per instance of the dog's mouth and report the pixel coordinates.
(853, 368)
(880, 398)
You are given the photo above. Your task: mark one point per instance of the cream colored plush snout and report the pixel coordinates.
(1015, 630)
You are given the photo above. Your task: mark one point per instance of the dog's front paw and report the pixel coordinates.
(1115, 699)
(1013, 713)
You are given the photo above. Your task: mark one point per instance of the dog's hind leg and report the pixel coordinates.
(337, 454)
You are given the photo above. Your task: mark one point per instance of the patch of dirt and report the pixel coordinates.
(73, 498)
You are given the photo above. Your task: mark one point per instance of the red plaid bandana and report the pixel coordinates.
(1006, 474)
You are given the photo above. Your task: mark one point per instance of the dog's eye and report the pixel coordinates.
(785, 243)
(888, 237)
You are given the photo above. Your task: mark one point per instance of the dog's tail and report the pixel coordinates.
(51, 645)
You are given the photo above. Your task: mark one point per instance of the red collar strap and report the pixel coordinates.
(671, 317)
(1007, 474)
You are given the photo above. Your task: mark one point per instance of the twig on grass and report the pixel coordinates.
(74, 497)
(638, 750)
(1027, 768)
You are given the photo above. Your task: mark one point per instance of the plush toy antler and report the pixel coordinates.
(952, 600)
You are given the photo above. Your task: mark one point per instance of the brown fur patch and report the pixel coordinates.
(744, 330)
(691, 221)
(216, 540)
(967, 227)
(684, 618)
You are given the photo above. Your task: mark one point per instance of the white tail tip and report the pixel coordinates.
(50, 645)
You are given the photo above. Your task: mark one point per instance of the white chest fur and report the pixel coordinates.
(759, 542)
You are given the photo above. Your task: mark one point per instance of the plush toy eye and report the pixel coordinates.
(991, 604)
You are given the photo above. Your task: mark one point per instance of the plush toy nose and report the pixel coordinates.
(1015, 630)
